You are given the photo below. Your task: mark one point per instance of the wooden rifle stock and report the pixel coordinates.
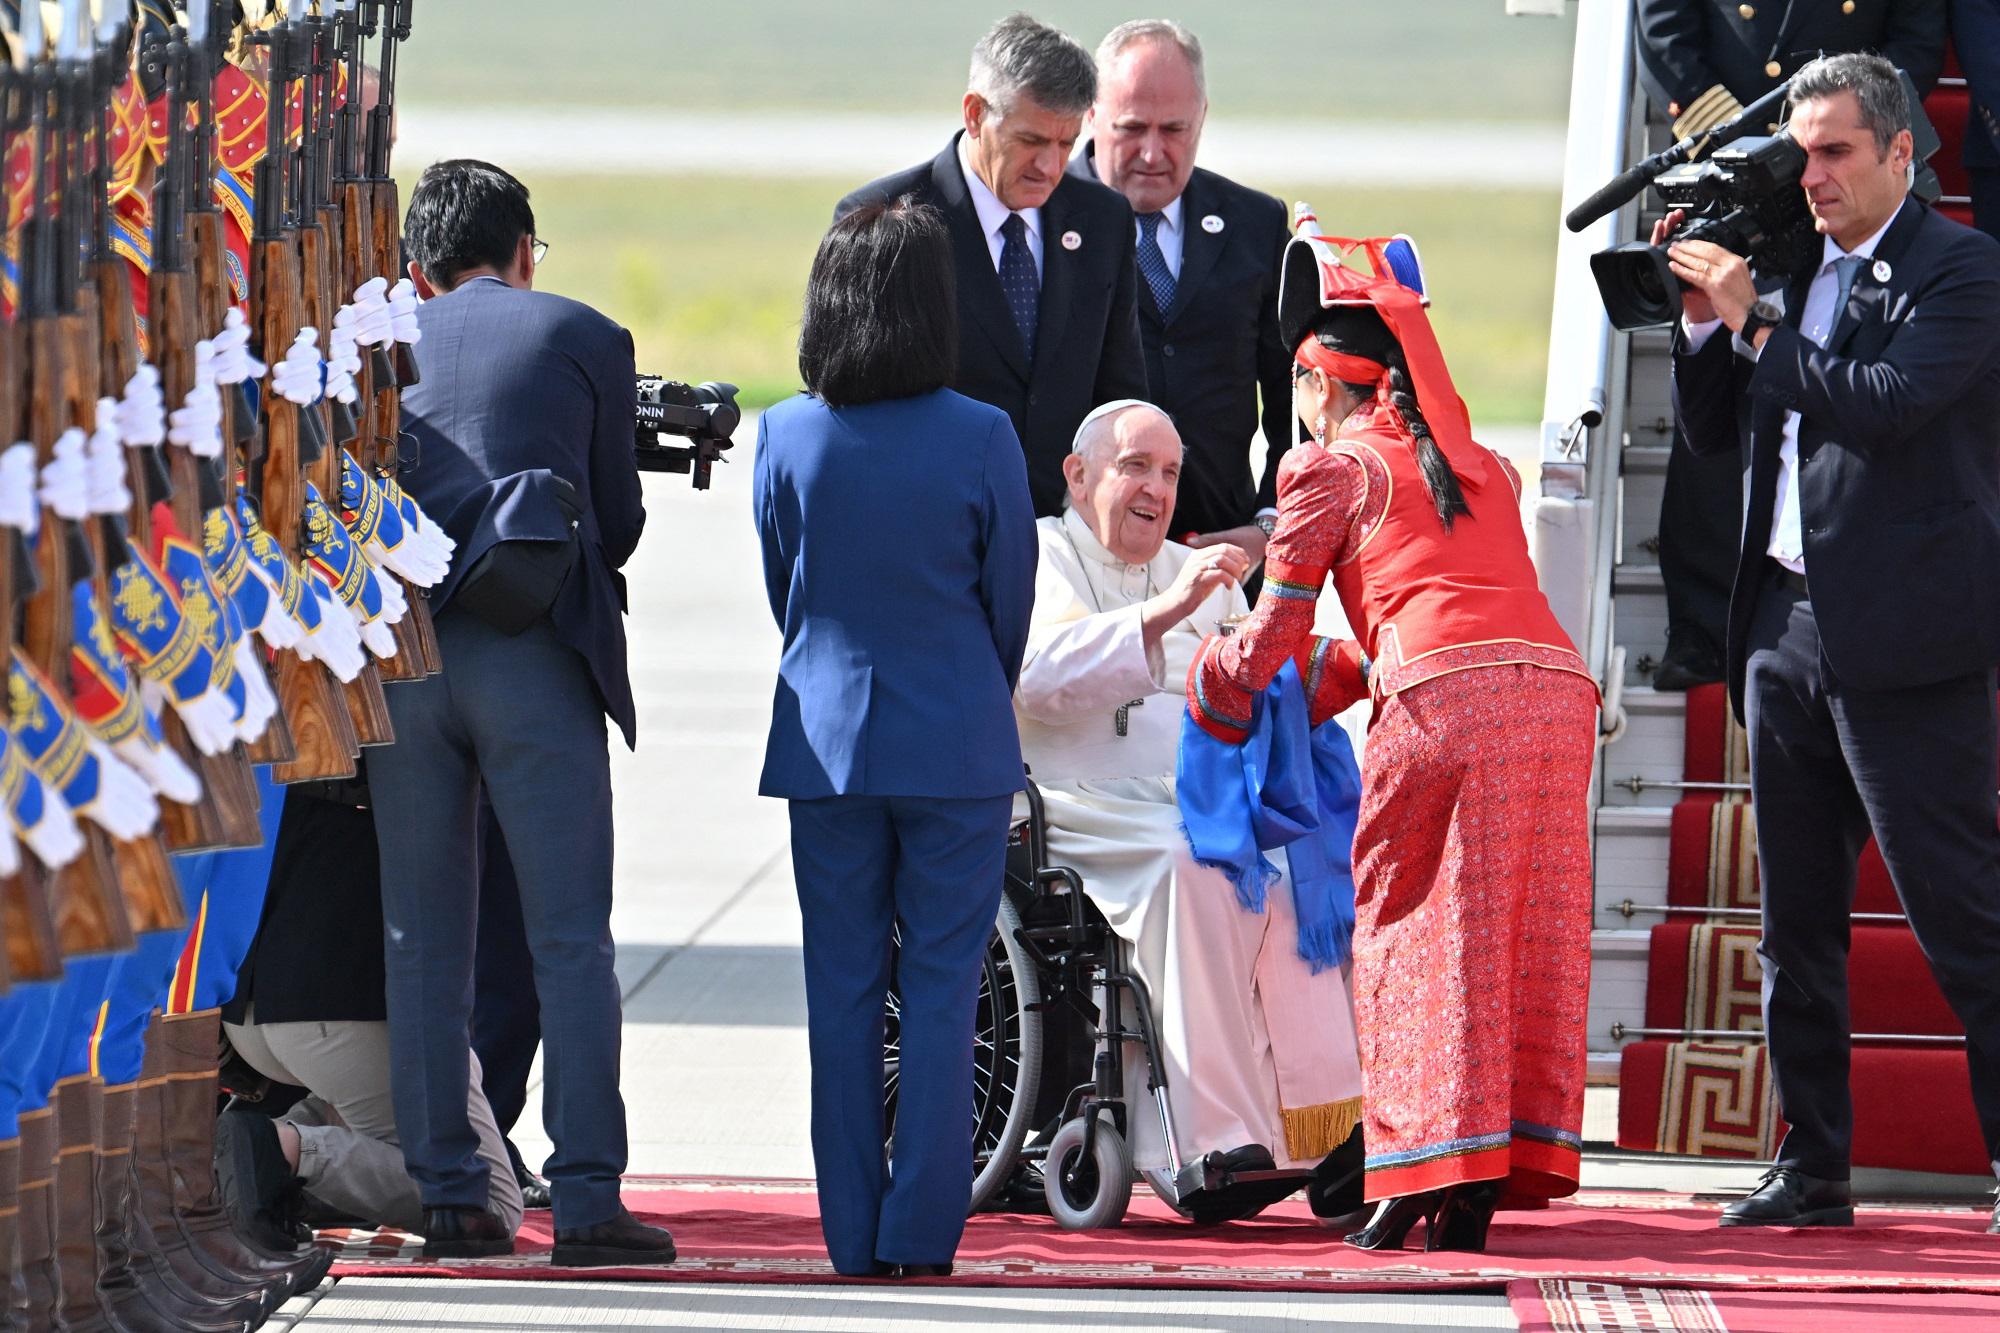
(385, 237)
(152, 893)
(322, 729)
(226, 778)
(27, 920)
(90, 914)
(213, 301)
(365, 700)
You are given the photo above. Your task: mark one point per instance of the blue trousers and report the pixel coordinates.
(26, 1012)
(521, 716)
(225, 896)
(862, 865)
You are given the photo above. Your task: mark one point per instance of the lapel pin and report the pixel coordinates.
(1881, 270)
(1071, 241)
(1212, 223)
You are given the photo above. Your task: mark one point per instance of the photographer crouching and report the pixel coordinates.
(524, 422)
(1865, 621)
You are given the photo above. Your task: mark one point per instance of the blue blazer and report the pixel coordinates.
(899, 555)
(522, 392)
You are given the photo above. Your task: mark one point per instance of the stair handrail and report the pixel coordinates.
(1583, 409)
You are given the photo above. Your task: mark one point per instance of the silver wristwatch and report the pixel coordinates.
(1266, 523)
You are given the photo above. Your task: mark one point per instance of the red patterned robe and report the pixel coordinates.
(1472, 857)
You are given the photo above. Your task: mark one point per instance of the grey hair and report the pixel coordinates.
(1877, 88)
(1019, 55)
(1154, 30)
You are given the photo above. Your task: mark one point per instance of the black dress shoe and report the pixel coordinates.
(464, 1233)
(1396, 1218)
(622, 1241)
(1690, 659)
(1022, 1192)
(1788, 1197)
(534, 1190)
(1463, 1217)
(1337, 1193)
(923, 1270)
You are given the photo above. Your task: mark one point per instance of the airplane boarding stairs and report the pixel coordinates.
(1674, 1014)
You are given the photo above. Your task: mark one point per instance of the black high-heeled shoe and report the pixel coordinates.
(1463, 1217)
(1393, 1223)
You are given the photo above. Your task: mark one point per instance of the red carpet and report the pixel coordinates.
(768, 1231)
(1610, 1307)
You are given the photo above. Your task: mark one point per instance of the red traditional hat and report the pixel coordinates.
(1316, 277)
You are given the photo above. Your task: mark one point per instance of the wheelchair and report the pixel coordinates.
(1057, 1006)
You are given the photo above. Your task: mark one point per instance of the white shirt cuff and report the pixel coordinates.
(1698, 334)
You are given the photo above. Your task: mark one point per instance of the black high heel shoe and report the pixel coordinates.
(1393, 1223)
(1463, 1217)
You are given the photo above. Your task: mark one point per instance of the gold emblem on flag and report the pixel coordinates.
(139, 601)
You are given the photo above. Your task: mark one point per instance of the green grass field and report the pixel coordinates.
(1336, 59)
(708, 273)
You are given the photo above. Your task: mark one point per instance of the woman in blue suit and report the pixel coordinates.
(899, 554)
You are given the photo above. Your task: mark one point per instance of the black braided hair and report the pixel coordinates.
(1359, 331)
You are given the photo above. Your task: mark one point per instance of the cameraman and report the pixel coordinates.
(1865, 622)
(525, 420)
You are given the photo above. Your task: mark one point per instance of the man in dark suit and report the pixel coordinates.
(525, 415)
(1208, 254)
(1865, 624)
(1975, 36)
(1702, 61)
(1047, 291)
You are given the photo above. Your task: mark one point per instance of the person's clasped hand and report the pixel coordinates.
(1719, 281)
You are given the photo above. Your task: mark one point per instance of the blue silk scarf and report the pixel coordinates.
(1290, 785)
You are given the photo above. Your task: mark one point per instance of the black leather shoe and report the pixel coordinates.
(923, 1270)
(1337, 1192)
(1690, 659)
(1788, 1197)
(464, 1233)
(534, 1190)
(622, 1241)
(1022, 1192)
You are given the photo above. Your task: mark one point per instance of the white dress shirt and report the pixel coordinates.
(1168, 234)
(1816, 322)
(993, 214)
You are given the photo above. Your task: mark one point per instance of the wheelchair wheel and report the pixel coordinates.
(1088, 1193)
(1006, 1055)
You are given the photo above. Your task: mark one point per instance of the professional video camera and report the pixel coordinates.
(1745, 198)
(706, 415)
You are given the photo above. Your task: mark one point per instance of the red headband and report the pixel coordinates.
(1343, 366)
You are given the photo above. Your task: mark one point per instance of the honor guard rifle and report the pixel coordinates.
(322, 726)
(386, 237)
(311, 50)
(174, 324)
(27, 918)
(90, 912)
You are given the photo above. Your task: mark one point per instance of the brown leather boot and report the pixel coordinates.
(189, 1047)
(138, 1298)
(13, 1288)
(76, 1204)
(153, 1178)
(38, 1217)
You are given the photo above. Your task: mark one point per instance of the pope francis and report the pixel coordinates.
(1259, 1050)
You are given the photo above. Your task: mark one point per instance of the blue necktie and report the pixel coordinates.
(1153, 262)
(1845, 270)
(1019, 282)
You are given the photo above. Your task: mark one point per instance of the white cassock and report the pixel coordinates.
(1257, 1048)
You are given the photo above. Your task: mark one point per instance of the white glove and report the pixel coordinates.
(18, 506)
(197, 427)
(342, 360)
(161, 767)
(259, 703)
(105, 463)
(337, 641)
(125, 806)
(394, 605)
(210, 720)
(142, 412)
(233, 362)
(403, 307)
(299, 378)
(374, 322)
(55, 838)
(66, 479)
(10, 852)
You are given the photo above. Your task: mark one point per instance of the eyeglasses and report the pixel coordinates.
(538, 250)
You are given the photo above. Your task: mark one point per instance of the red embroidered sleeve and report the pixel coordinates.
(1319, 494)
